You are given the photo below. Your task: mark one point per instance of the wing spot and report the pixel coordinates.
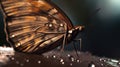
(13, 36)
(61, 25)
(18, 44)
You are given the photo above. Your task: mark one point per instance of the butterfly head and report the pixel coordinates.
(80, 28)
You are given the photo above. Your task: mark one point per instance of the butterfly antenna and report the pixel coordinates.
(93, 14)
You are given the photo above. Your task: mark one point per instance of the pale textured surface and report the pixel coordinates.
(56, 59)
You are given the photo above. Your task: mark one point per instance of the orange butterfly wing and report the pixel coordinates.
(34, 25)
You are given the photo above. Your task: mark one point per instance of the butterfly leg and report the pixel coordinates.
(80, 43)
(74, 45)
(75, 48)
(64, 39)
(63, 44)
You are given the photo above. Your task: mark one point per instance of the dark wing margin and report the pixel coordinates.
(33, 24)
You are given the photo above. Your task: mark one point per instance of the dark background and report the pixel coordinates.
(101, 19)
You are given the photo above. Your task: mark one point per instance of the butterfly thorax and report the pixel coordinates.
(74, 32)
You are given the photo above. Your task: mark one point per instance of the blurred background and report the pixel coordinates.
(101, 19)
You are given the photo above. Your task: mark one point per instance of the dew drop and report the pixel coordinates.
(39, 62)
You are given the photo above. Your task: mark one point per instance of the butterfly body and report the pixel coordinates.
(36, 26)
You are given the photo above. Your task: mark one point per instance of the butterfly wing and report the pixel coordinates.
(34, 25)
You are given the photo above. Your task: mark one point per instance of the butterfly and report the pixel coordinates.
(36, 26)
